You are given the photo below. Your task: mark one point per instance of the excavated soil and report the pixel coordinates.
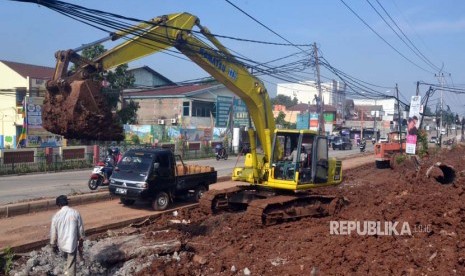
(225, 244)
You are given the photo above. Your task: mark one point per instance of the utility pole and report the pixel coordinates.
(321, 124)
(399, 119)
(440, 77)
(374, 122)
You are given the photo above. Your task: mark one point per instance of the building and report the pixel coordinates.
(333, 93)
(303, 115)
(145, 77)
(190, 106)
(18, 80)
(387, 110)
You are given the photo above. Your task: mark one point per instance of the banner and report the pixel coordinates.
(413, 124)
(36, 135)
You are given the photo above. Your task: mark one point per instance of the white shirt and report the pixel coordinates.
(66, 229)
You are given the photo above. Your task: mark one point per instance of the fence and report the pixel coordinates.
(32, 160)
(45, 163)
(188, 151)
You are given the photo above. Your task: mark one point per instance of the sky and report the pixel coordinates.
(32, 33)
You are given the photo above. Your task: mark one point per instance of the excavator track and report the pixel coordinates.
(265, 208)
(215, 201)
(284, 208)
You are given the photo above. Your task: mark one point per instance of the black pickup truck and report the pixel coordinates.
(159, 176)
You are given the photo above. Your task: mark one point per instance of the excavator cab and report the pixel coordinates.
(300, 158)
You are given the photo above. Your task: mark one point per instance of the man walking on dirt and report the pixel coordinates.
(67, 233)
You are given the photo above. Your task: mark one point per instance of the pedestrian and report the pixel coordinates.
(67, 233)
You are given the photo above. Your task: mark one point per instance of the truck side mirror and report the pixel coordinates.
(156, 165)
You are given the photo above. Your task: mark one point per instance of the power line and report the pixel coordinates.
(382, 38)
(263, 25)
(416, 51)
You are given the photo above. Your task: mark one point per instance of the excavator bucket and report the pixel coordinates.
(78, 110)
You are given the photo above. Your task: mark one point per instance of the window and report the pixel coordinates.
(186, 108)
(202, 109)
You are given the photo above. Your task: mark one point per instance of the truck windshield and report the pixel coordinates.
(136, 161)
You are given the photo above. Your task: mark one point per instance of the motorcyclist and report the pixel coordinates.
(363, 144)
(109, 164)
(117, 155)
(219, 149)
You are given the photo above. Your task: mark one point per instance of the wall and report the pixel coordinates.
(153, 109)
(389, 106)
(333, 92)
(9, 79)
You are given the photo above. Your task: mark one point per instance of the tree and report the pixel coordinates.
(284, 100)
(118, 79)
(128, 114)
(280, 121)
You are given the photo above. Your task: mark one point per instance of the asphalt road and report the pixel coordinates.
(34, 186)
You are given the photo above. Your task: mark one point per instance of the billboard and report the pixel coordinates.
(413, 123)
(37, 136)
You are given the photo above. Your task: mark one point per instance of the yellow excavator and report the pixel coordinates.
(277, 181)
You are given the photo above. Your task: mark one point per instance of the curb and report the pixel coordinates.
(16, 209)
(23, 208)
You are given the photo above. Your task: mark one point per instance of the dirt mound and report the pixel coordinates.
(398, 221)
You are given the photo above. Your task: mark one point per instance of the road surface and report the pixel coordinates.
(34, 186)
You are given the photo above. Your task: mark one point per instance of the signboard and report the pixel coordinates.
(314, 121)
(223, 106)
(413, 123)
(240, 113)
(37, 136)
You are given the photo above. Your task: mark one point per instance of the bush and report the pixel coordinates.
(422, 143)
(7, 259)
(400, 158)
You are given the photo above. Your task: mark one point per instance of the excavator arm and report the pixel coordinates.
(75, 107)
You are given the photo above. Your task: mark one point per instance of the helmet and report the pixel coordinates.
(116, 151)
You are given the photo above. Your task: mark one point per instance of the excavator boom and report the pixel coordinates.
(76, 108)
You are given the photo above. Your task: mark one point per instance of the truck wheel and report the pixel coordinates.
(199, 191)
(126, 201)
(161, 201)
(94, 183)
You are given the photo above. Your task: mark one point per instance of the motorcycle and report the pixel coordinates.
(97, 178)
(373, 140)
(362, 146)
(221, 154)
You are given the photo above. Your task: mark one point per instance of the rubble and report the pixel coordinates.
(225, 244)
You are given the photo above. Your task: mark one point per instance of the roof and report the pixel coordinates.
(170, 91)
(302, 107)
(29, 70)
(153, 72)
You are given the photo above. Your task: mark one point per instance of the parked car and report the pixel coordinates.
(341, 143)
(433, 140)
